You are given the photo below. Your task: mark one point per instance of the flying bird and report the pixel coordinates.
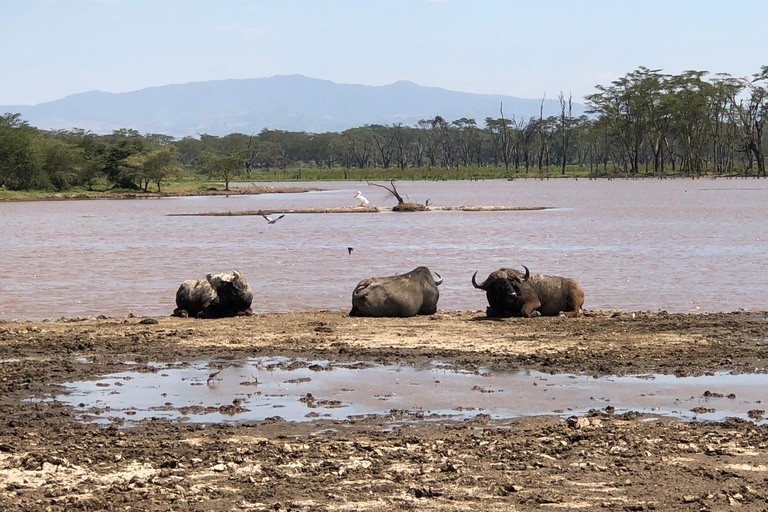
(270, 220)
(363, 201)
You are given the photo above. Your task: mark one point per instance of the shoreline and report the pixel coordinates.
(61, 457)
(600, 343)
(251, 189)
(235, 191)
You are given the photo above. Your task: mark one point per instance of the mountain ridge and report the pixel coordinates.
(282, 102)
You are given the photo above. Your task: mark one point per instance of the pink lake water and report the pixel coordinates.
(674, 245)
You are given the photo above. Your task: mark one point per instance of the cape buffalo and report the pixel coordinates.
(414, 293)
(512, 293)
(217, 296)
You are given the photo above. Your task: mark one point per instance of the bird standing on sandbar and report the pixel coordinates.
(270, 220)
(363, 201)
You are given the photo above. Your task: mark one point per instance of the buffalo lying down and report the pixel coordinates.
(216, 296)
(512, 293)
(414, 293)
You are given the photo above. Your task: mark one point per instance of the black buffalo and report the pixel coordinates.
(216, 296)
(514, 293)
(414, 293)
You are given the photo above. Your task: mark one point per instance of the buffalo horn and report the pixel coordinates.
(527, 274)
(439, 279)
(474, 283)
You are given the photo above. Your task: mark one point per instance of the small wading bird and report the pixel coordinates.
(350, 249)
(363, 201)
(270, 220)
(212, 377)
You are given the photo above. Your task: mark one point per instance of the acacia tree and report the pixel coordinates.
(750, 116)
(19, 155)
(467, 139)
(427, 142)
(62, 163)
(723, 89)
(656, 111)
(122, 144)
(443, 132)
(690, 118)
(225, 167)
(618, 104)
(159, 165)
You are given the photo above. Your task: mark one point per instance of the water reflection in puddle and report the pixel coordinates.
(300, 390)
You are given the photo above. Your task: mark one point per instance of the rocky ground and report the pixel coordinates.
(49, 460)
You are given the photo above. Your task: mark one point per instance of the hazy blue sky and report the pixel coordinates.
(53, 48)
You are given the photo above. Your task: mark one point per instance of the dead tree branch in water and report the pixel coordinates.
(402, 206)
(392, 190)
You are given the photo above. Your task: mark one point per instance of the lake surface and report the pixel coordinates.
(675, 245)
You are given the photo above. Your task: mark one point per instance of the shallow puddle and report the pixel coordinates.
(301, 390)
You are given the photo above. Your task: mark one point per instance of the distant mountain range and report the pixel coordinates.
(292, 103)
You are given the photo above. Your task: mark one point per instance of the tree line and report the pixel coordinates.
(646, 122)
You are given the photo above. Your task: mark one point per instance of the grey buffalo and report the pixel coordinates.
(414, 293)
(216, 296)
(514, 293)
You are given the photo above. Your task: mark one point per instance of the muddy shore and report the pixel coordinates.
(49, 460)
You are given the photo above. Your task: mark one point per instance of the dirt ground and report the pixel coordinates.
(51, 461)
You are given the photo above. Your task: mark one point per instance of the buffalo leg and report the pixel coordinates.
(575, 301)
(529, 309)
(571, 314)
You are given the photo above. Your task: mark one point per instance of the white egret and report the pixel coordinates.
(363, 201)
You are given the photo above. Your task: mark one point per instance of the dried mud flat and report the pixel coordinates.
(51, 461)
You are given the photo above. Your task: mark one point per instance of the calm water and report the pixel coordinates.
(676, 245)
(278, 387)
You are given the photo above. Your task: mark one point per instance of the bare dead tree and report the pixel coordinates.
(566, 126)
(249, 156)
(402, 205)
(392, 190)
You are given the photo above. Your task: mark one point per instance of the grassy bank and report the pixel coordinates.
(192, 184)
(466, 173)
(181, 187)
